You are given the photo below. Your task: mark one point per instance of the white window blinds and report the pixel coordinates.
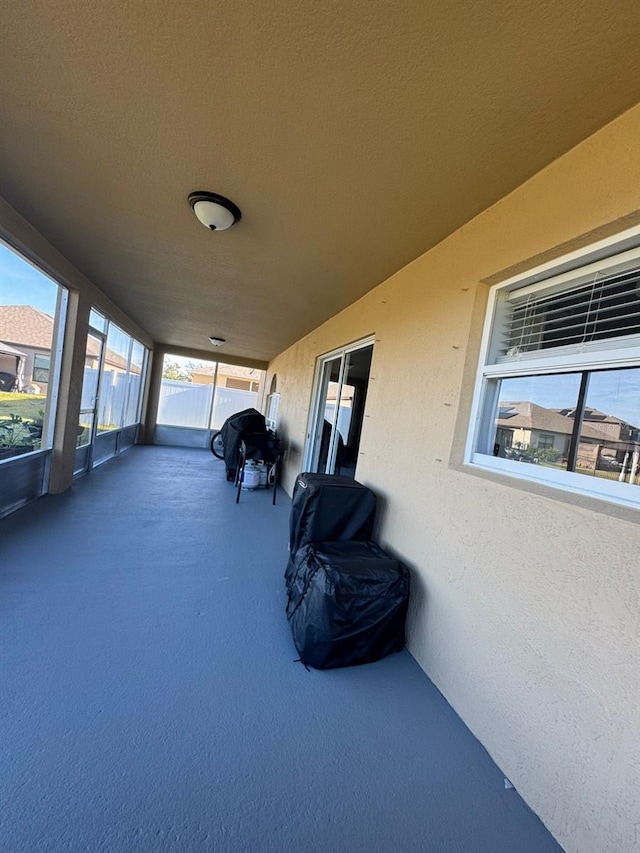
(586, 316)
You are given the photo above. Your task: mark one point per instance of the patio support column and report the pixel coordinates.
(70, 395)
(155, 381)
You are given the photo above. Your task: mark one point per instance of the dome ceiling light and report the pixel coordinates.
(217, 342)
(214, 211)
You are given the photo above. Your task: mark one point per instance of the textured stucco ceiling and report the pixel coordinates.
(353, 135)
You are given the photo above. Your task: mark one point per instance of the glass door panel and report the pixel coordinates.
(89, 402)
(353, 396)
(113, 379)
(325, 416)
(85, 429)
(336, 424)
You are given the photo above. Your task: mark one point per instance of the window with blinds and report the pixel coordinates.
(596, 315)
(557, 399)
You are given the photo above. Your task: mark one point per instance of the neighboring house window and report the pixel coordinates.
(545, 440)
(558, 393)
(41, 365)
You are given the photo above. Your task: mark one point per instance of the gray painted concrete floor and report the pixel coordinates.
(151, 702)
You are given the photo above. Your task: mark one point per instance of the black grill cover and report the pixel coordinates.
(233, 429)
(329, 508)
(347, 604)
(8, 381)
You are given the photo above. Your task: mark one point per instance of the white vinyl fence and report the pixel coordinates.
(187, 404)
(113, 391)
(344, 418)
(119, 397)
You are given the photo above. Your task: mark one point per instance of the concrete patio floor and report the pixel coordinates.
(150, 699)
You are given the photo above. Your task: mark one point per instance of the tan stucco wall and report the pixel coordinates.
(525, 608)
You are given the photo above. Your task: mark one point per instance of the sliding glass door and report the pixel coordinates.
(337, 414)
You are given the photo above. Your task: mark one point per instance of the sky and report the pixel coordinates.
(182, 361)
(22, 284)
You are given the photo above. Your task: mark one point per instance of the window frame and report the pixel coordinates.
(546, 436)
(60, 320)
(622, 249)
(310, 448)
(273, 410)
(38, 367)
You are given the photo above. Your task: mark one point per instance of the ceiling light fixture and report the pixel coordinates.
(214, 211)
(217, 342)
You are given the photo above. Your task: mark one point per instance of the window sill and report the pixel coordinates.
(504, 472)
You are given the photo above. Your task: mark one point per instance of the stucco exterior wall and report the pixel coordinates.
(525, 608)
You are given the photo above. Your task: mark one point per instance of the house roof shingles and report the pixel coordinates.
(527, 415)
(229, 370)
(24, 325)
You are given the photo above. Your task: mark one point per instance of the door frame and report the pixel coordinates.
(102, 337)
(312, 420)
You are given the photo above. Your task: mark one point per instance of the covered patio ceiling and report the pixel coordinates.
(352, 135)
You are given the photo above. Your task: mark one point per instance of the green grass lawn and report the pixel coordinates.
(25, 406)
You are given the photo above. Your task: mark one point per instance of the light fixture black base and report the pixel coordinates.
(203, 195)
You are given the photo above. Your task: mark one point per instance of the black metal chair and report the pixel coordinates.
(260, 447)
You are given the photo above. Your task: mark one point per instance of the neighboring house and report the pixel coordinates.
(525, 424)
(238, 378)
(29, 333)
(528, 427)
(114, 362)
(608, 427)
